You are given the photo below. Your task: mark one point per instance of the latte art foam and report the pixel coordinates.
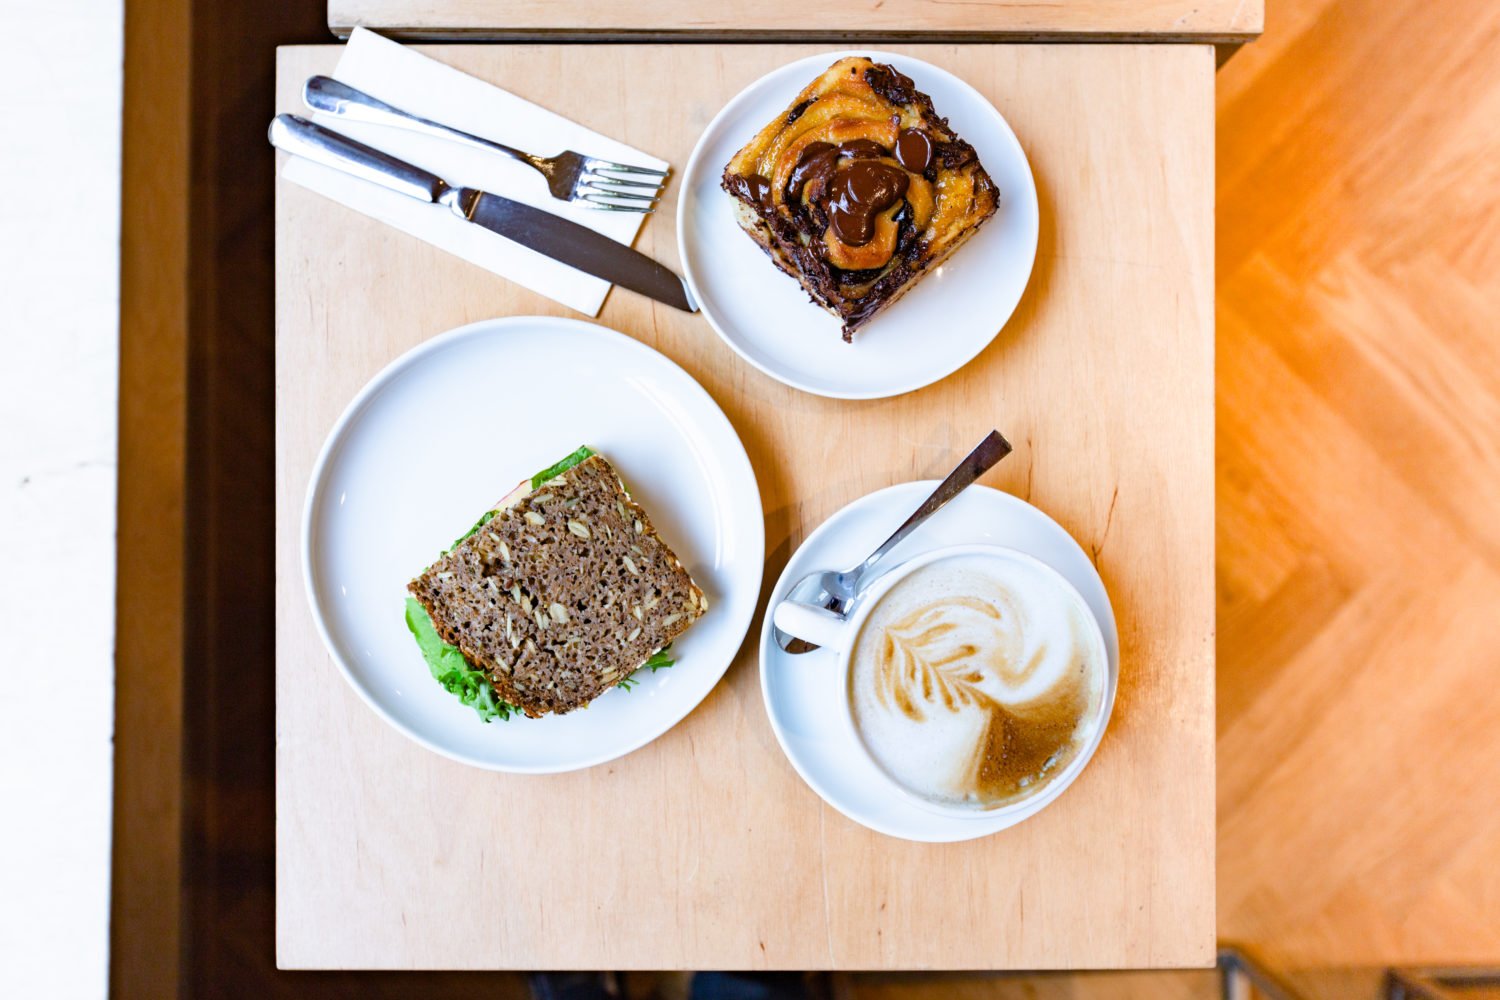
(976, 680)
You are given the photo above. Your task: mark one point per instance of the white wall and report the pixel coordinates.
(60, 65)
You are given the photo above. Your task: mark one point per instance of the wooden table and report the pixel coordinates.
(1220, 21)
(389, 856)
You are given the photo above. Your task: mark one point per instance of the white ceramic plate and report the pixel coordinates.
(932, 331)
(445, 431)
(802, 692)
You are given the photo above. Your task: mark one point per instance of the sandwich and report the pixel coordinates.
(559, 593)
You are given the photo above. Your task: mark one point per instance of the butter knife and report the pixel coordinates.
(556, 237)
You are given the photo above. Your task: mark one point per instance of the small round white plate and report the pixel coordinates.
(802, 692)
(448, 429)
(932, 331)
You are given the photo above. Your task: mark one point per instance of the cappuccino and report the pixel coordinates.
(975, 680)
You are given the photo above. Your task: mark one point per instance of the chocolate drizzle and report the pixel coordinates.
(860, 191)
(815, 168)
(847, 186)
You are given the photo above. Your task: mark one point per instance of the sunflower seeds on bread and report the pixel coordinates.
(563, 593)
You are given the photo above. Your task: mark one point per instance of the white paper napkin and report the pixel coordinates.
(425, 87)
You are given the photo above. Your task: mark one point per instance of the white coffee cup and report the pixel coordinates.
(840, 634)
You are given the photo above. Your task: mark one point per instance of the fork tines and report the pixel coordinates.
(598, 186)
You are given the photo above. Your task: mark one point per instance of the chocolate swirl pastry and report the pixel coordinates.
(858, 189)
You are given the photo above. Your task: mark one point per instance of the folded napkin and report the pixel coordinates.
(425, 87)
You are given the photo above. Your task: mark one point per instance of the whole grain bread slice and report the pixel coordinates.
(563, 593)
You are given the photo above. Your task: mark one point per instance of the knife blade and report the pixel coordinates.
(580, 247)
(561, 239)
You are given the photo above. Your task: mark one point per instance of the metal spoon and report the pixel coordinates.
(838, 591)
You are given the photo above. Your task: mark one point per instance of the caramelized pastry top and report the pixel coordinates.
(865, 171)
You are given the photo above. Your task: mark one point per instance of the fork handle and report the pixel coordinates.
(324, 93)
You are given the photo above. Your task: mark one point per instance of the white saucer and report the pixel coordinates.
(445, 431)
(935, 329)
(802, 692)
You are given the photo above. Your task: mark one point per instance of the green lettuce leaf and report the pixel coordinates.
(659, 660)
(553, 471)
(477, 525)
(452, 671)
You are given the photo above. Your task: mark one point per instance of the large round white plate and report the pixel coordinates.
(445, 431)
(802, 693)
(932, 331)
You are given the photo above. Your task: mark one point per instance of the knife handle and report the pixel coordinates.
(312, 141)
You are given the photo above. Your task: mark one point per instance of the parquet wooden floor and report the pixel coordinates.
(1359, 484)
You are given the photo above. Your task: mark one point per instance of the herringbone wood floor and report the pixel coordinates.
(1359, 484)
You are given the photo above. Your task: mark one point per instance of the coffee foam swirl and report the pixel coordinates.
(975, 680)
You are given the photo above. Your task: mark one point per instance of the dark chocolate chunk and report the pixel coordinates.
(847, 278)
(954, 154)
(861, 148)
(754, 190)
(914, 150)
(891, 84)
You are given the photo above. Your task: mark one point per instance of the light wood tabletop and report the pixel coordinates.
(704, 849)
(1224, 21)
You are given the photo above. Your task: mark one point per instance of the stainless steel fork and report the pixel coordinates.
(570, 176)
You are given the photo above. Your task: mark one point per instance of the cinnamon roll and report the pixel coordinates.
(858, 189)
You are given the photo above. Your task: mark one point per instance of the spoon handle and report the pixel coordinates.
(979, 461)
